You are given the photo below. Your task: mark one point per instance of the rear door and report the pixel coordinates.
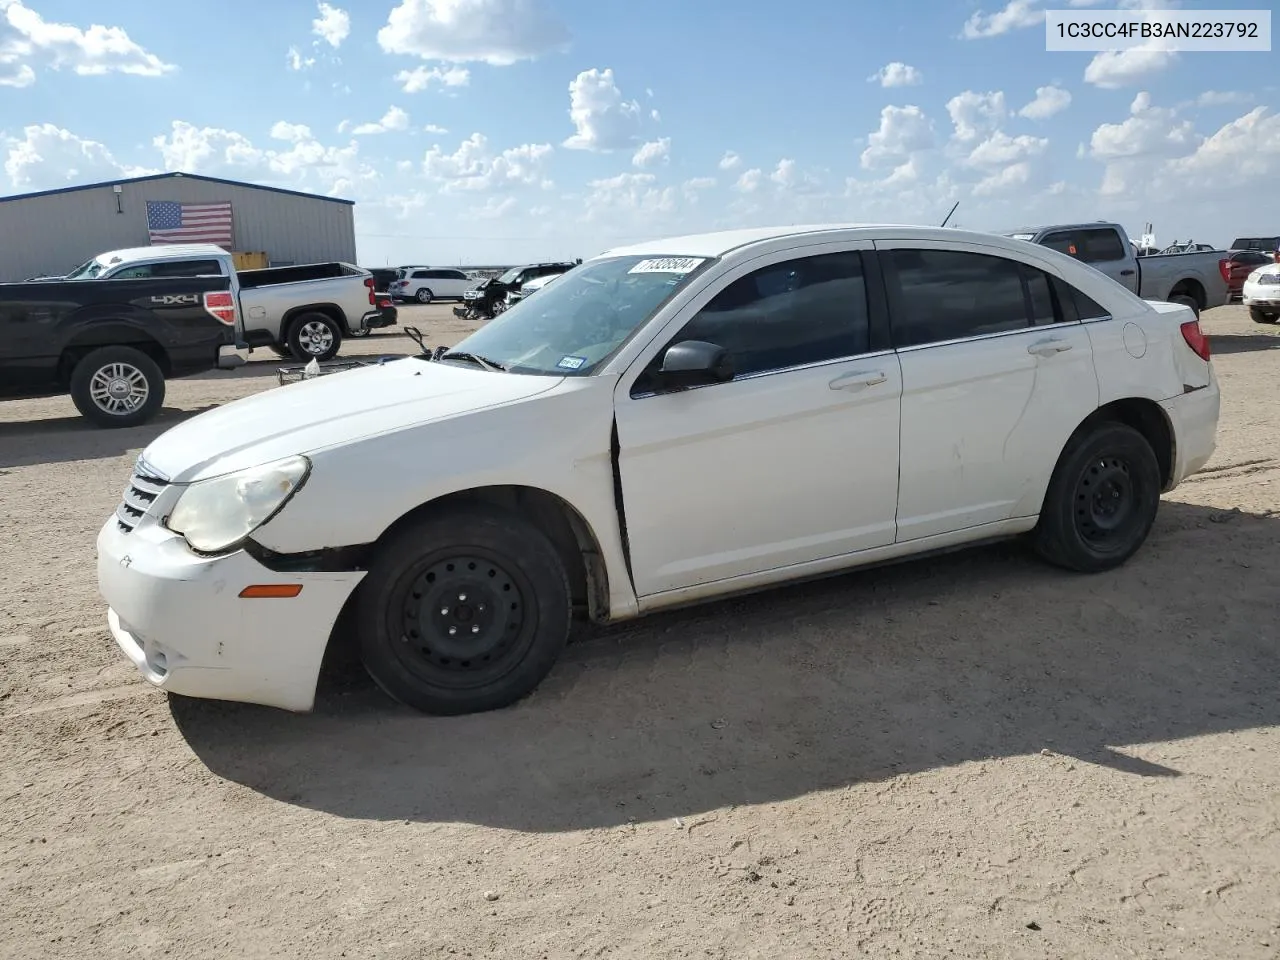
(996, 374)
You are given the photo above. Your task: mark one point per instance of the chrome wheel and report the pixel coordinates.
(119, 389)
(315, 337)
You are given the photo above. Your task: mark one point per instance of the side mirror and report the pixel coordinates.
(695, 363)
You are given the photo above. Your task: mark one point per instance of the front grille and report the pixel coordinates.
(139, 495)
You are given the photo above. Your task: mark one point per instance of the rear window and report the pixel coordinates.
(1265, 244)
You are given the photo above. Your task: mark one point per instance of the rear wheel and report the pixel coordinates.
(314, 336)
(1258, 315)
(1187, 301)
(117, 387)
(1101, 501)
(464, 612)
(423, 295)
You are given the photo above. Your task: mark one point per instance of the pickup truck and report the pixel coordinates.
(296, 311)
(111, 345)
(1196, 279)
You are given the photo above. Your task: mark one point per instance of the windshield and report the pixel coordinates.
(88, 270)
(576, 323)
(510, 275)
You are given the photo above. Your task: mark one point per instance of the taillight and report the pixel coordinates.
(373, 297)
(221, 304)
(1224, 267)
(1196, 339)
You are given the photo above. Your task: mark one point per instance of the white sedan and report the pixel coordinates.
(1261, 293)
(666, 423)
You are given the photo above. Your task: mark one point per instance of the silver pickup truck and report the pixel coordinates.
(1197, 279)
(298, 311)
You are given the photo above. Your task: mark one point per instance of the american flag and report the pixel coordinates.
(169, 221)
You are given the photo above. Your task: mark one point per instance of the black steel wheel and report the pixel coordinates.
(1258, 315)
(1102, 499)
(464, 612)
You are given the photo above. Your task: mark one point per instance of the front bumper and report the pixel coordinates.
(1194, 418)
(1266, 296)
(179, 618)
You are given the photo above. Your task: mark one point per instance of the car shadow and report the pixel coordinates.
(958, 659)
(1227, 343)
(26, 443)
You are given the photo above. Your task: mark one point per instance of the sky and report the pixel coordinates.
(497, 131)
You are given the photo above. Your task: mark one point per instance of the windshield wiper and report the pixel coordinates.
(491, 365)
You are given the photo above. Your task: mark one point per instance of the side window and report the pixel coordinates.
(421, 274)
(1062, 242)
(939, 295)
(186, 268)
(454, 275)
(1099, 246)
(1040, 297)
(800, 311)
(1076, 305)
(141, 272)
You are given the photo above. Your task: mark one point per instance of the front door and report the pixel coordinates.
(793, 460)
(996, 374)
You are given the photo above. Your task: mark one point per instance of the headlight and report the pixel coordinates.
(216, 514)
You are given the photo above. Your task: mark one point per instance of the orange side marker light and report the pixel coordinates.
(271, 591)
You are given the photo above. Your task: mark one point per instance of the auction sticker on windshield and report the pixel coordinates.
(668, 265)
(571, 363)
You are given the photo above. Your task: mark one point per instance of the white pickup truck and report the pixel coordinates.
(297, 311)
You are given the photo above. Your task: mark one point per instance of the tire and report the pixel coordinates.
(314, 336)
(423, 295)
(1101, 501)
(280, 351)
(1258, 315)
(417, 589)
(117, 387)
(1187, 301)
(364, 332)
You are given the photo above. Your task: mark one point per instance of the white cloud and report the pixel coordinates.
(632, 196)
(394, 120)
(48, 156)
(495, 208)
(976, 114)
(694, 186)
(1247, 146)
(1015, 15)
(1113, 69)
(784, 175)
(1049, 101)
(1011, 177)
(474, 167)
(332, 26)
(1150, 134)
(653, 152)
(897, 74)
(93, 51)
(292, 132)
(1000, 150)
(297, 61)
(435, 128)
(750, 180)
(193, 149)
(497, 32)
(730, 161)
(902, 132)
(421, 78)
(603, 119)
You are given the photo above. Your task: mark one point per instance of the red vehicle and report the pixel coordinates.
(1239, 265)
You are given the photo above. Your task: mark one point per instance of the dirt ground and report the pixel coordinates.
(972, 756)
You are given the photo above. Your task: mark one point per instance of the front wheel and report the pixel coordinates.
(1258, 315)
(464, 612)
(423, 295)
(1102, 499)
(117, 387)
(314, 336)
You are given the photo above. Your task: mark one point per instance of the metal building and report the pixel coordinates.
(54, 231)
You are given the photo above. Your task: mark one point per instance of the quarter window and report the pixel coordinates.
(787, 314)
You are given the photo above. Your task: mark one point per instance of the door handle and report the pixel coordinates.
(857, 380)
(1126, 273)
(1047, 348)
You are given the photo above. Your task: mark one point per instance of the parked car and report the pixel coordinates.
(529, 288)
(1238, 265)
(383, 277)
(425, 285)
(490, 296)
(112, 345)
(1195, 279)
(300, 311)
(668, 423)
(1268, 245)
(1261, 293)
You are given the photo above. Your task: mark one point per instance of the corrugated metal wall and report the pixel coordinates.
(52, 234)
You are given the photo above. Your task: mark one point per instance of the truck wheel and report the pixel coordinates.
(1101, 501)
(1187, 301)
(117, 387)
(314, 336)
(1258, 315)
(423, 295)
(463, 612)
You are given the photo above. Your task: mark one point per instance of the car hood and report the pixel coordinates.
(330, 411)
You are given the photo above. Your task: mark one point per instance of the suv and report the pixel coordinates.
(425, 284)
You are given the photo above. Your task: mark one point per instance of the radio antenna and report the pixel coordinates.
(953, 210)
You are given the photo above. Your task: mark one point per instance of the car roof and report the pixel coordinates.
(168, 251)
(727, 241)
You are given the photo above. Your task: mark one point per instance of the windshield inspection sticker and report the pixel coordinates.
(571, 363)
(668, 265)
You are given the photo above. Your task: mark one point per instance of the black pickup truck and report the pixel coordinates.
(111, 344)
